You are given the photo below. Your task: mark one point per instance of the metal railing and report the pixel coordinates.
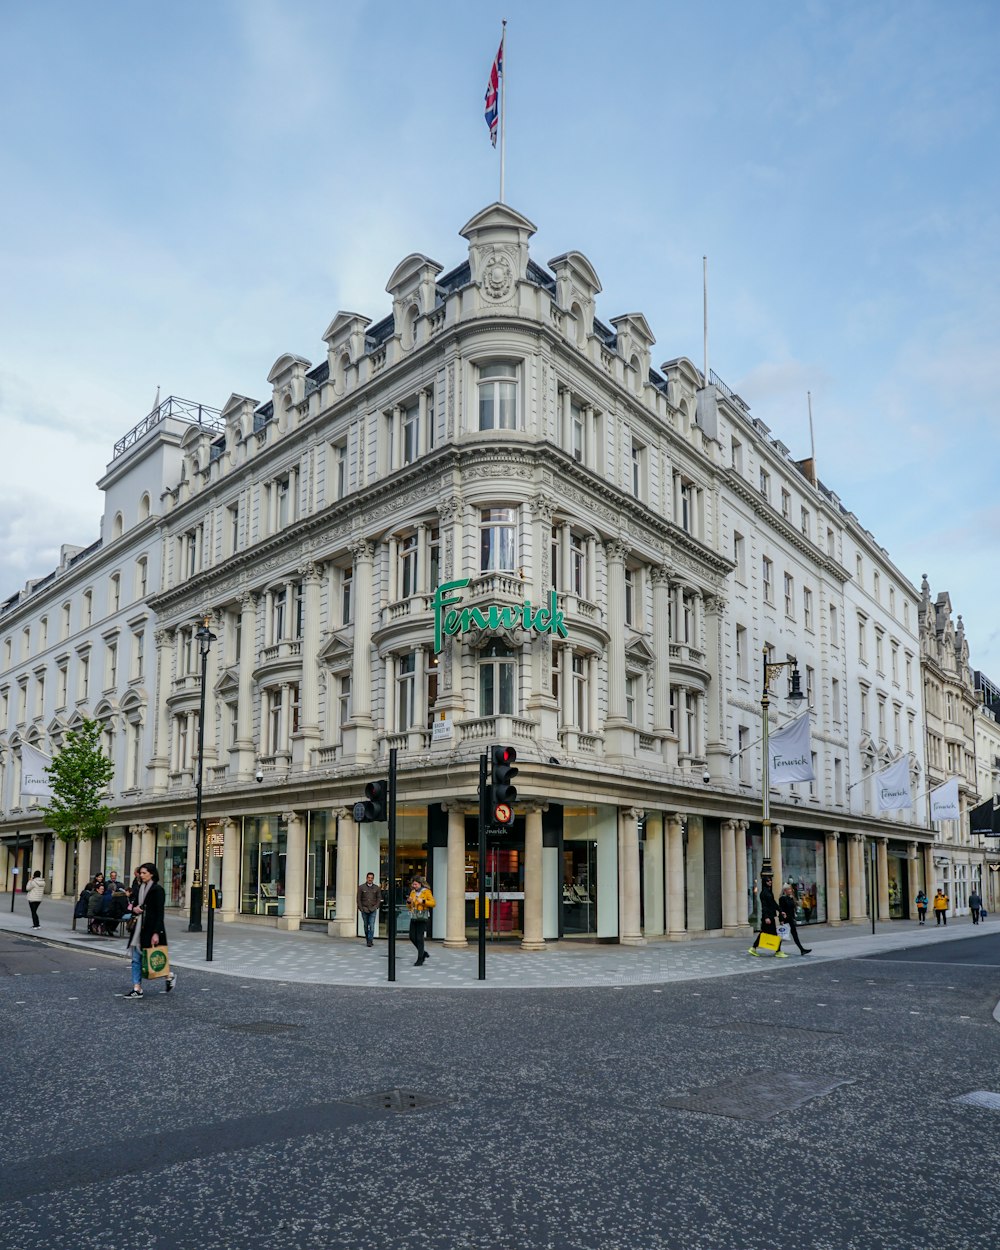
(172, 406)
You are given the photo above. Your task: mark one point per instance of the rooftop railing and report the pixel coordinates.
(172, 406)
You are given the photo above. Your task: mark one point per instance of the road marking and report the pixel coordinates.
(867, 1008)
(19, 1002)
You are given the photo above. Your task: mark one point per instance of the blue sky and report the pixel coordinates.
(192, 190)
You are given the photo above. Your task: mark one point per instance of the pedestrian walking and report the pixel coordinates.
(148, 930)
(35, 890)
(975, 905)
(768, 918)
(369, 902)
(941, 908)
(786, 909)
(921, 901)
(420, 902)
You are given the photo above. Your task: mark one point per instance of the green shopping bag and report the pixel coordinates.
(155, 962)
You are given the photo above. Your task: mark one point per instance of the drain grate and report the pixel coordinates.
(399, 1101)
(262, 1027)
(758, 1095)
(985, 1098)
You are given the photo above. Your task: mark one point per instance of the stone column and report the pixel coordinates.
(190, 865)
(230, 869)
(211, 756)
(776, 865)
(882, 848)
(423, 420)
(629, 914)
(147, 854)
(730, 900)
(742, 883)
(653, 875)
(716, 748)
(59, 869)
(533, 885)
(455, 935)
(346, 923)
(83, 851)
(37, 856)
(675, 878)
(929, 885)
(832, 879)
(135, 848)
(245, 753)
(856, 878)
(309, 689)
(912, 877)
(295, 872)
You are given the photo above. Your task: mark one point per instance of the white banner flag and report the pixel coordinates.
(33, 778)
(944, 801)
(892, 786)
(789, 752)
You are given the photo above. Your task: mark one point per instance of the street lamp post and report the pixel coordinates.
(771, 671)
(205, 638)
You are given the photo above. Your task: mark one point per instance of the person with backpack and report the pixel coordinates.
(921, 902)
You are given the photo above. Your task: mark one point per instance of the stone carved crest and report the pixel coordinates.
(497, 275)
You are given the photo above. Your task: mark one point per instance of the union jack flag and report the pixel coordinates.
(493, 95)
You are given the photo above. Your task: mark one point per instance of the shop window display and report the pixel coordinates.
(265, 845)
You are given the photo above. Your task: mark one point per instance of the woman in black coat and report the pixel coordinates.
(147, 907)
(786, 908)
(768, 917)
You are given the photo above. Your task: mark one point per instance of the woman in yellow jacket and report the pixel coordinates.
(420, 901)
(941, 908)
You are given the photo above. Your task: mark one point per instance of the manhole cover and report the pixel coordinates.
(262, 1027)
(758, 1095)
(398, 1100)
(981, 1098)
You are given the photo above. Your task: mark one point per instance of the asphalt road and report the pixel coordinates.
(226, 1114)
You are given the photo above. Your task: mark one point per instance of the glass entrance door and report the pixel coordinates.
(504, 889)
(579, 887)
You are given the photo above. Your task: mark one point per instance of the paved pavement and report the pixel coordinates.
(254, 952)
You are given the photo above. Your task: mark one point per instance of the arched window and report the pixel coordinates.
(117, 526)
(144, 507)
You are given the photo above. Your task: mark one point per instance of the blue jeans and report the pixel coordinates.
(371, 924)
(137, 966)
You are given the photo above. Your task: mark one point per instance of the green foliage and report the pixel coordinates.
(80, 776)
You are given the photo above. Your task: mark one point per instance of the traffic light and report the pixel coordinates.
(503, 793)
(374, 808)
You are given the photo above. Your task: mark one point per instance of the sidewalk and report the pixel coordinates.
(257, 953)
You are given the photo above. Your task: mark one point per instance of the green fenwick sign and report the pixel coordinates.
(449, 620)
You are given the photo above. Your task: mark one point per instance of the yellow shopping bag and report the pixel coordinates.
(769, 942)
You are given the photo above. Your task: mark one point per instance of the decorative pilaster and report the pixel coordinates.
(245, 754)
(147, 854)
(309, 732)
(359, 737)
(856, 877)
(776, 863)
(160, 762)
(717, 751)
(455, 933)
(912, 875)
(743, 908)
(630, 915)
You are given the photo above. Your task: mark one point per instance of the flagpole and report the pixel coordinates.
(503, 102)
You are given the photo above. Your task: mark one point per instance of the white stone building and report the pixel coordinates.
(492, 445)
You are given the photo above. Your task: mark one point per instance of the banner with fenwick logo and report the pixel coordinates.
(789, 752)
(944, 801)
(892, 786)
(450, 620)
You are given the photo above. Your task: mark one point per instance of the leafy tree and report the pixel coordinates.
(80, 776)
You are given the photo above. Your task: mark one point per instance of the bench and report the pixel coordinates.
(109, 926)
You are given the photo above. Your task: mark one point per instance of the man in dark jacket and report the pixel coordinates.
(786, 909)
(975, 905)
(369, 901)
(768, 916)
